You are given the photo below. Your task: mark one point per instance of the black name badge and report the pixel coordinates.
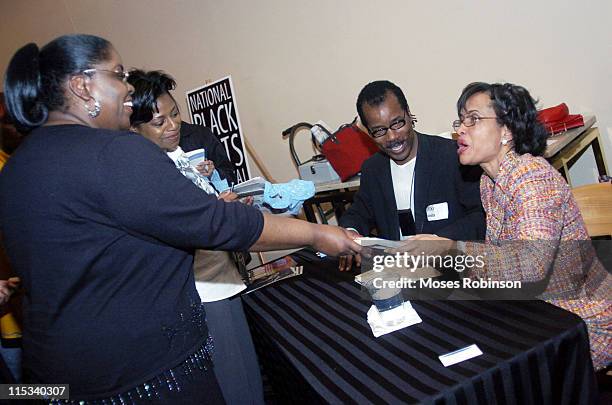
(406, 222)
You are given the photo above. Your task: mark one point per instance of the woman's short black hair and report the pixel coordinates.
(375, 93)
(35, 79)
(514, 108)
(148, 87)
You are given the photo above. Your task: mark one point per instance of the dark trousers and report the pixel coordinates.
(236, 365)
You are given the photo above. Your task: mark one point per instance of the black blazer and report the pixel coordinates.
(438, 178)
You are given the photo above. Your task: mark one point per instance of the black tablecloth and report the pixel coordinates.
(315, 345)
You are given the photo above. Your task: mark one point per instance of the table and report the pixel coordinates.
(565, 149)
(337, 193)
(315, 346)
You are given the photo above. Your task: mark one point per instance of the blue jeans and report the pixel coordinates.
(12, 359)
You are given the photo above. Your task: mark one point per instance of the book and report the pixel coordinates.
(269, 273)
(373, 248)
(254, 186)
(378, 242)
(196, 157)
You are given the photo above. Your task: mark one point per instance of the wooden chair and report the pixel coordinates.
(595, 203)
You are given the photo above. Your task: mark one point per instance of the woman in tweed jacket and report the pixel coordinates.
(535, 232)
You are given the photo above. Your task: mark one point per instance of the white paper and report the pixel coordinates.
(411, 317)
(460, 355)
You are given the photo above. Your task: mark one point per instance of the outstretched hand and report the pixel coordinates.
(345, 262)
(335, 241)
(424, 244)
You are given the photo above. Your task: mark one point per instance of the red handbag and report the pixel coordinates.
(347, 149)
(558, 119)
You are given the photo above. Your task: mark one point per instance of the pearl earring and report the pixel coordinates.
(504, 141)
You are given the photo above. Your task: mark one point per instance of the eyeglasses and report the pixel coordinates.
(470, 121)
(120, 75)
(380, 132)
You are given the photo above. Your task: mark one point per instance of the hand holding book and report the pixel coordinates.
(206, 167)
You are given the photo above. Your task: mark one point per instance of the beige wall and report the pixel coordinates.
(304, 61)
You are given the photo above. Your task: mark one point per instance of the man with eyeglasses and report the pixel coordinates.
(415, 184)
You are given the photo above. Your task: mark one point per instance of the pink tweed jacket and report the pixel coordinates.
(535, 230)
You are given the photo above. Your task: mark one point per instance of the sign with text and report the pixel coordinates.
(214, 106)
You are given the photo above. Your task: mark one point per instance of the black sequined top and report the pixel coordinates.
(101, 227)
